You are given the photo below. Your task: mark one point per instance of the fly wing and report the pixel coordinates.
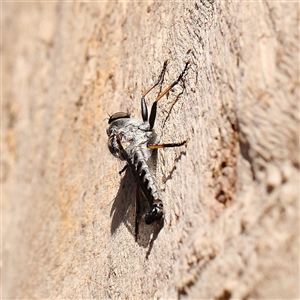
(130, 162)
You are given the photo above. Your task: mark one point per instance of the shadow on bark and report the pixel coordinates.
(123, 211)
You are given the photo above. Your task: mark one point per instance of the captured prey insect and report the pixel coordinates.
(133, 140)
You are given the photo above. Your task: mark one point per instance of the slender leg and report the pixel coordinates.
(143, 102)
(170, 145)
(124, 169)
(154, 105)
(137, 212)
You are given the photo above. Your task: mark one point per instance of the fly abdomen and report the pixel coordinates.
(149, 187)
(145, 176)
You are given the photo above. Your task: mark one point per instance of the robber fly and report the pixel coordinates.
(133, 140)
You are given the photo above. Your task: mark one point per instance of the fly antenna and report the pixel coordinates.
(107, 112)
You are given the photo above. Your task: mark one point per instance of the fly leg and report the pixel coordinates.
(137, 212)
(124, 169)
(154, 105)
(159, 81)
(169, 145)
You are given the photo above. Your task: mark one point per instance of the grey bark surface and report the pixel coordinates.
(231, 196)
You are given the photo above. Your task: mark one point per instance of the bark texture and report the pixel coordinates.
(231, 195)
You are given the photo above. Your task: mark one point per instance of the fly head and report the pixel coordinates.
(116, 125)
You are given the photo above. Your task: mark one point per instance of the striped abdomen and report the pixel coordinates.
(148, 184)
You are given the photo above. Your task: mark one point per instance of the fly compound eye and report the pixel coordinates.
(118, 115)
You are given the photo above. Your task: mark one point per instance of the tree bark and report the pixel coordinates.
(231, 196)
